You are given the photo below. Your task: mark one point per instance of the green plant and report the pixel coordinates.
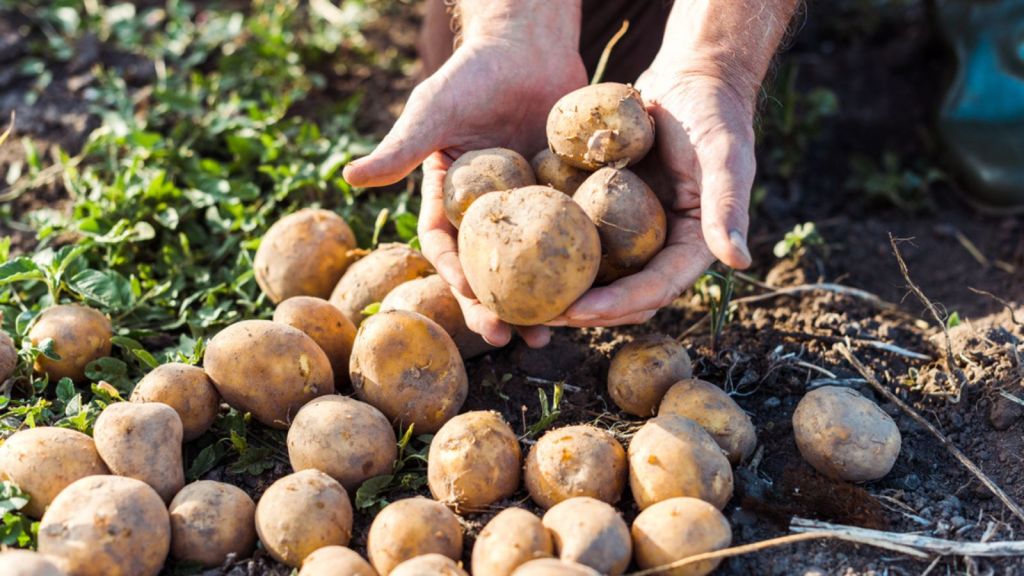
(715, 291)
(550, 410)
(889, 182)
(410, 473)
(798, 240)
(791, 120)
(15, 529)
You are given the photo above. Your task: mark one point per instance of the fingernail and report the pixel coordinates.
(736, 239)
(557, 322)
(584, 317)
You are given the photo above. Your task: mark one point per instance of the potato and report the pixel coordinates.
(301, 513)
(677, 528)
(432, 297)
(629, 220)
(481, 171)
(268, 369)
(349, 440)
(142, 441)
(15, 562)
(43, 461)
(80, 335)
(528, 253)
(336, 561)
(409, 528)
(599, 125)
(370, 279)
(474, 461)
(407, 367)
(845, 436)
(185, 388)
(303, 254)
(8, 356)
(590, 532)
(107, 526)
(211, 520)
(332, 331)
(716, 412)
(580, 460)
(551, 171)
(429, 565)
(643, 370)
(554, 567)
(673, 456)
(511, 539)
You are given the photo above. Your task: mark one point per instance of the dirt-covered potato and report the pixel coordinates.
(528, 253)
(629, 219)
(8, 356)
(845, 436)
(511, 539)
(474, 461)
(267, 368)
(14, 562)
(209, 521)
(303, 254)
(599, 125)
(336, 561)
(409, 528)
(590, 532)
(107, 526)
(407, 366)
(332, 331)
(80, 335)
(349, 440)
(142, 441)
(673, 456)
(432, 297)
(301, 513)
(643, 370)
(481, 171)
(43, 461)
(185, 388)
(554, 567)
(716, 412)
(429, 565)
(579, 460)
(552, 171)
(677, 528)
(370, 279)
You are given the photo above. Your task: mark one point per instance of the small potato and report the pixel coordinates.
(528, 253)
(554, 567)
(716, 412)
(481, 171)
(43, 461)
(336, 561)
(185, 388)
(8, 356)
(845, 436)
(15, 562)
(643, 370)
(211, 520)
(599, 125)
(429, 565)
(474, 461)
(409, 528)
(301, 513)
(576, 461)
(551, 171)
(303, 254)
(107, 526)
(142, 441)
(80, 335)
(407, 367)
(349, 440)
(268, 369)
(511, 539)
(432, 297)
(332, 331)
(677, 528)
(590, 532)
(370, 279)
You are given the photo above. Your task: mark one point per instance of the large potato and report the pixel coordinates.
(474, 461)
(643, 370)
(211, 520)
(303, 254)
(8, 356)
(481, 171)
(43, 461)
(107, 526)
(552, 171)
(268, 369)
(599, 125)
(349, 440)
(429, 565)
(844, 435)
(409, 528)
(554, 567)
(528, 253)
(590, 532)
(432, 297)
(185, 388)
(301, 513)
(406, 366)
(336, 561)
(80, 335)
(511, 539)
(332, 331)
(716, 412)
(677, 528)
(574, 461)
(14, 562)
(142, 441)
(371, 278)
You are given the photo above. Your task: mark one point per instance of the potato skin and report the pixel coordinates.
(142, 441)
(676, 528)
(43, 461)
(303, 254)
(432, 297)
(474, 461)
(481, 171)
(643, 370)
(511, 539)
(8, 356)
(370, 279)
(268, 369)
(552, 171)
(80, 335)
(14, 562)
(845, 436)
(336, 561)
(590, 532)
(301, 513)
(599, 125)
(409, 528)
(429, 564)
(554, 567)
(107, 526)
(332, 331)
(185, 388)
(528, 253)
(406, 366)
(716, 412)
(580, 460)
(210, 520)
(673, 456)
(349, 440)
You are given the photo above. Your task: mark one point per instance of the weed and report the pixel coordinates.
(550, 410)
(15, 529)
(715, 291)
(792, 119)
(798, 241)
(409, 473)
(889, 182)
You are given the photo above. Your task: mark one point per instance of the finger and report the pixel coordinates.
(535, 336)
(484, 322)
(727, 173)
(438, 237)
(632, 318)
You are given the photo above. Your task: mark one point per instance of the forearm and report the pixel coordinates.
(552, 23)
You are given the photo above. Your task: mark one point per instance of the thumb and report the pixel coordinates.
(727, 174)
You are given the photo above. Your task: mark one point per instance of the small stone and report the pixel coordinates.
(911, 482)
(772, 402)
(958, 522)
(1004, 413)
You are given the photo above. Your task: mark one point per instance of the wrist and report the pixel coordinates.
(553, 25)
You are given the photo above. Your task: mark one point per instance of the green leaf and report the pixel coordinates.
(205, 461)
(405, 225)
(65, 390)
(953, 320)
(106, 368)
(19, 269)
(108, 289)
(369, 492)
(11, 497)
(371, 309)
